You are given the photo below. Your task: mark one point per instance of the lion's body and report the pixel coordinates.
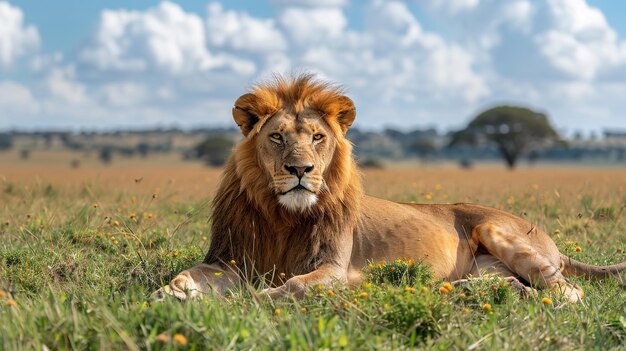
(442, 236)
(291, 208)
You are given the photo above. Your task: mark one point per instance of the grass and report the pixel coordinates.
(82, 249)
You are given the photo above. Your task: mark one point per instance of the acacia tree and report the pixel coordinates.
(515, 130)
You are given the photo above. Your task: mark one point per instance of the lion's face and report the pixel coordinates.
(295, 128)
(294, 150)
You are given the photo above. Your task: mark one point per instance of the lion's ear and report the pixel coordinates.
(347, 113)
(244, 112)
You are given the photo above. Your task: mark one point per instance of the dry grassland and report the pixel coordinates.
(82, 248)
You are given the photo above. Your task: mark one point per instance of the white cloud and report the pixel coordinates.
(16, 39)
(61, 84)
(121, 94)
(312, 3)
(162, 39)
(165, 64)
(578, 40)
(453, 6)
(242, 32)
(16, 99)
(308, 26)
(424, 64)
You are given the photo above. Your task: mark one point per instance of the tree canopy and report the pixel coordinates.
(214, 150)
(514, 130)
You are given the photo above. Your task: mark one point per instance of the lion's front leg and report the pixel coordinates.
(198, 281)
(298, 285)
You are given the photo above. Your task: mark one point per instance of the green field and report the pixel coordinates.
(82, 249)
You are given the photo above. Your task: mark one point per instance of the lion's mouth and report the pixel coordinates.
(297, 188)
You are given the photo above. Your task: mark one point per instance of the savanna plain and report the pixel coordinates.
(81, 249)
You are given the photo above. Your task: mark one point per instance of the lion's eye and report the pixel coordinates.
(276, 137)
(318, 137)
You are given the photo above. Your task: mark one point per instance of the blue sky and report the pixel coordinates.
(102, 65)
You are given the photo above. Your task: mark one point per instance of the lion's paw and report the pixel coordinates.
(181, 287)
(292, 287)
(275, 293)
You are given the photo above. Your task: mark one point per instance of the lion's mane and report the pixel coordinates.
(250, 226)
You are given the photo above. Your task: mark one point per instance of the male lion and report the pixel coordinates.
(290, 201)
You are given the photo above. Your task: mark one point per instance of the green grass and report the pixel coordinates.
(77, 267)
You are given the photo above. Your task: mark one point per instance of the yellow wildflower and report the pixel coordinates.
(180, 339)
(546, 301)
(163, 338)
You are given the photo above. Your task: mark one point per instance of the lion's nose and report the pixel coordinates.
(299, 171)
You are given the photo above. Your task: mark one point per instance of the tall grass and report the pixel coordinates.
(81, 253)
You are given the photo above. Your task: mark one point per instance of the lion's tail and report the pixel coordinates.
(573, 267)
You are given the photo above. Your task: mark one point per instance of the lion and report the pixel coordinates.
(290, 203)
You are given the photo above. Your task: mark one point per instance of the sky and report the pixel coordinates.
(84, 65)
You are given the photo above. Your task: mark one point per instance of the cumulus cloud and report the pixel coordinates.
(16, 39)
(453, 6)
(312, 3)
(309, 26)
(15, 99)
(121, 94)
(578, 40)
(242, 32)
(165, 64)
(162, 39)
(61, 84)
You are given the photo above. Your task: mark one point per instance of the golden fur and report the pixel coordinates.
(248, 224)
(291, 202)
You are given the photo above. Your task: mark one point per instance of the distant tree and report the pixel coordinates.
(214, 150)
(143, 149)
(106, 154)
(6, 141)
(371, 162)
(75, 163)
(422, 147)
(24, 154)
(514, 130)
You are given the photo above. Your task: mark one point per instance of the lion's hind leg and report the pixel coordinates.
(517, 254)
(198, 281)
(485, 264)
